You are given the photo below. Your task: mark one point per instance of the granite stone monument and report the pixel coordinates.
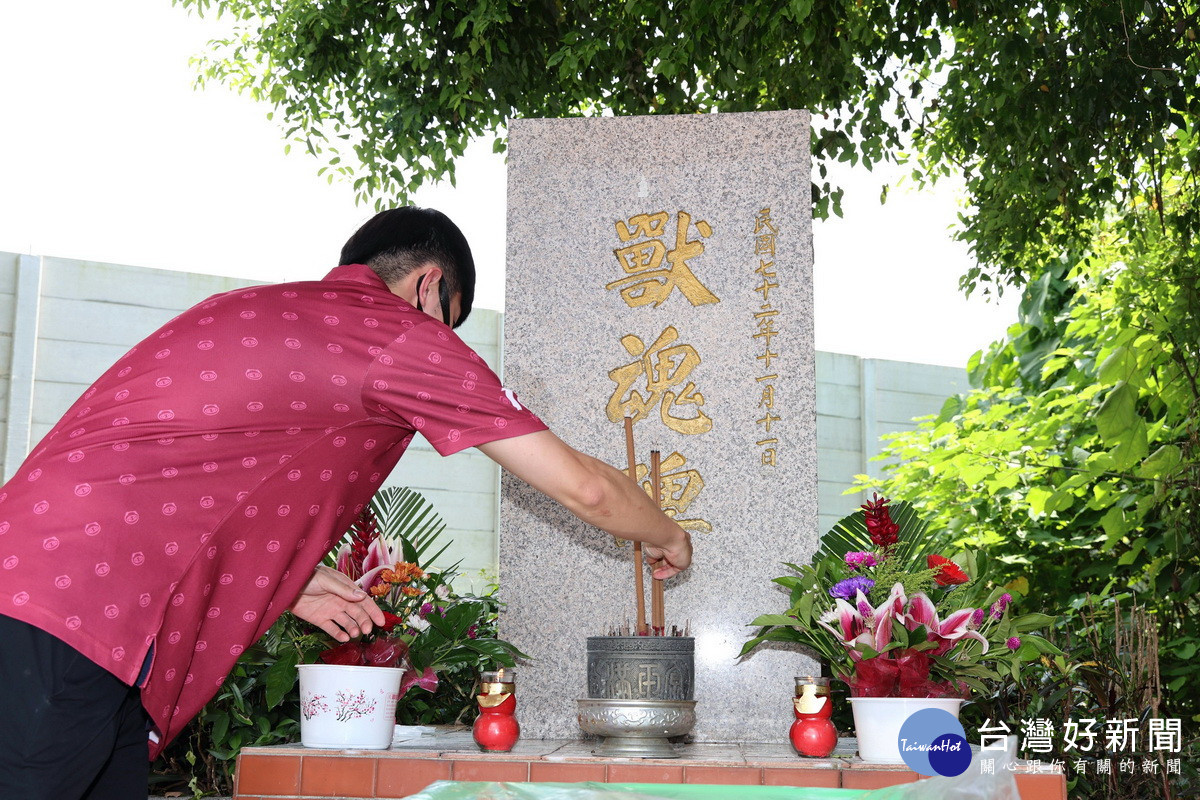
(660, 268)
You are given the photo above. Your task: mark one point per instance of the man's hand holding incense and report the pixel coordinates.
(667, 561)
(337, 605)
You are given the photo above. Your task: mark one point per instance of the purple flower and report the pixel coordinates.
(472, 632)
(426, 609)
(977, 617)
(864, 608)
(858, 560)
(1001, 604)
(1013, 643)
(851, 586)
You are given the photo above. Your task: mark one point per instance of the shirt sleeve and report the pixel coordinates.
(429, 380)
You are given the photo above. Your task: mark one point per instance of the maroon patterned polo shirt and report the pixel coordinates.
(185, 499)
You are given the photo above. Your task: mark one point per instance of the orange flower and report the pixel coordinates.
(389, 577)
(410, 591)
(380, 589)
(406, 571)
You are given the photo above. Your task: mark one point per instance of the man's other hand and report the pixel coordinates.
(337, 605)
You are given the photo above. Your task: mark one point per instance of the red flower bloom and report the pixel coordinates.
(948, 573)
(884, 533)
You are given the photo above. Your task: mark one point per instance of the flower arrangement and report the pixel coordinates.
(429, 628)
(892, 619)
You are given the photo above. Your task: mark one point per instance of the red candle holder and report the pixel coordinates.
(496, 729)
(813, 734)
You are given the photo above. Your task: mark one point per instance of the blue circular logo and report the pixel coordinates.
(932, 742)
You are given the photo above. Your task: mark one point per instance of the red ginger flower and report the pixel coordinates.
(948, 573)
(353, 556)
(879, 522)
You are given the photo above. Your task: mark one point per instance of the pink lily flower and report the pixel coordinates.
(948, 632)
(851, 627)
(379, 557)
(891, 608)
(345, 561)
(872, 629)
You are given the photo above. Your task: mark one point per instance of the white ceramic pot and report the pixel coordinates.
(877, 722)
(345, 707)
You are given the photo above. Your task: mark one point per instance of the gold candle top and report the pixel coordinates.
(809, 684)
(811, 693)
(500, 681)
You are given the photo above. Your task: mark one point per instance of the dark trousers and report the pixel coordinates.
(69, 730)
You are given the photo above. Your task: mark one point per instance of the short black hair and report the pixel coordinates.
(397, 241)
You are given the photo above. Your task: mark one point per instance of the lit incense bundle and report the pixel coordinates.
(637, 546)
(658, 624)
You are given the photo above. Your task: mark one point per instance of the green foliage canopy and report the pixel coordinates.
(1075, 463)
(1054, 112)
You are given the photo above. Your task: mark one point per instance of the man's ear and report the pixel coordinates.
(430, 278)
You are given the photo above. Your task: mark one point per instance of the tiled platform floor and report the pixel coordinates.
(293, 772)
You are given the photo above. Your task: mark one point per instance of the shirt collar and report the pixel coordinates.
(356, 273)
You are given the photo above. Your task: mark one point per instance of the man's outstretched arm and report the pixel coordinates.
(597, 493)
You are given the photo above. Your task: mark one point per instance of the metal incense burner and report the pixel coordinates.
(640, 691)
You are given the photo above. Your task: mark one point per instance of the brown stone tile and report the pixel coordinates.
(490, 770)
(725, 776)
(802, 776)
(400, 777)
(263, 774)
(566, 772)
(865, 778)
(338, 776)
(623, 772)
(1042, 787)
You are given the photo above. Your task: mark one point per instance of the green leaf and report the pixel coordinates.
(1162, 462)
(1117, 414)
(1132, 446)
(1042, 645)
(1114, 526)
(281, 676)
(1038, 498)
(1119, 366)
(1029, 622)
(774, 619)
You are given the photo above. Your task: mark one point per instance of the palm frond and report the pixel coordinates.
(849, 534)
(405, 516)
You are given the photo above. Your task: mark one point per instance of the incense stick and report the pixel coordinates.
(657, 621)
(638, 567)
